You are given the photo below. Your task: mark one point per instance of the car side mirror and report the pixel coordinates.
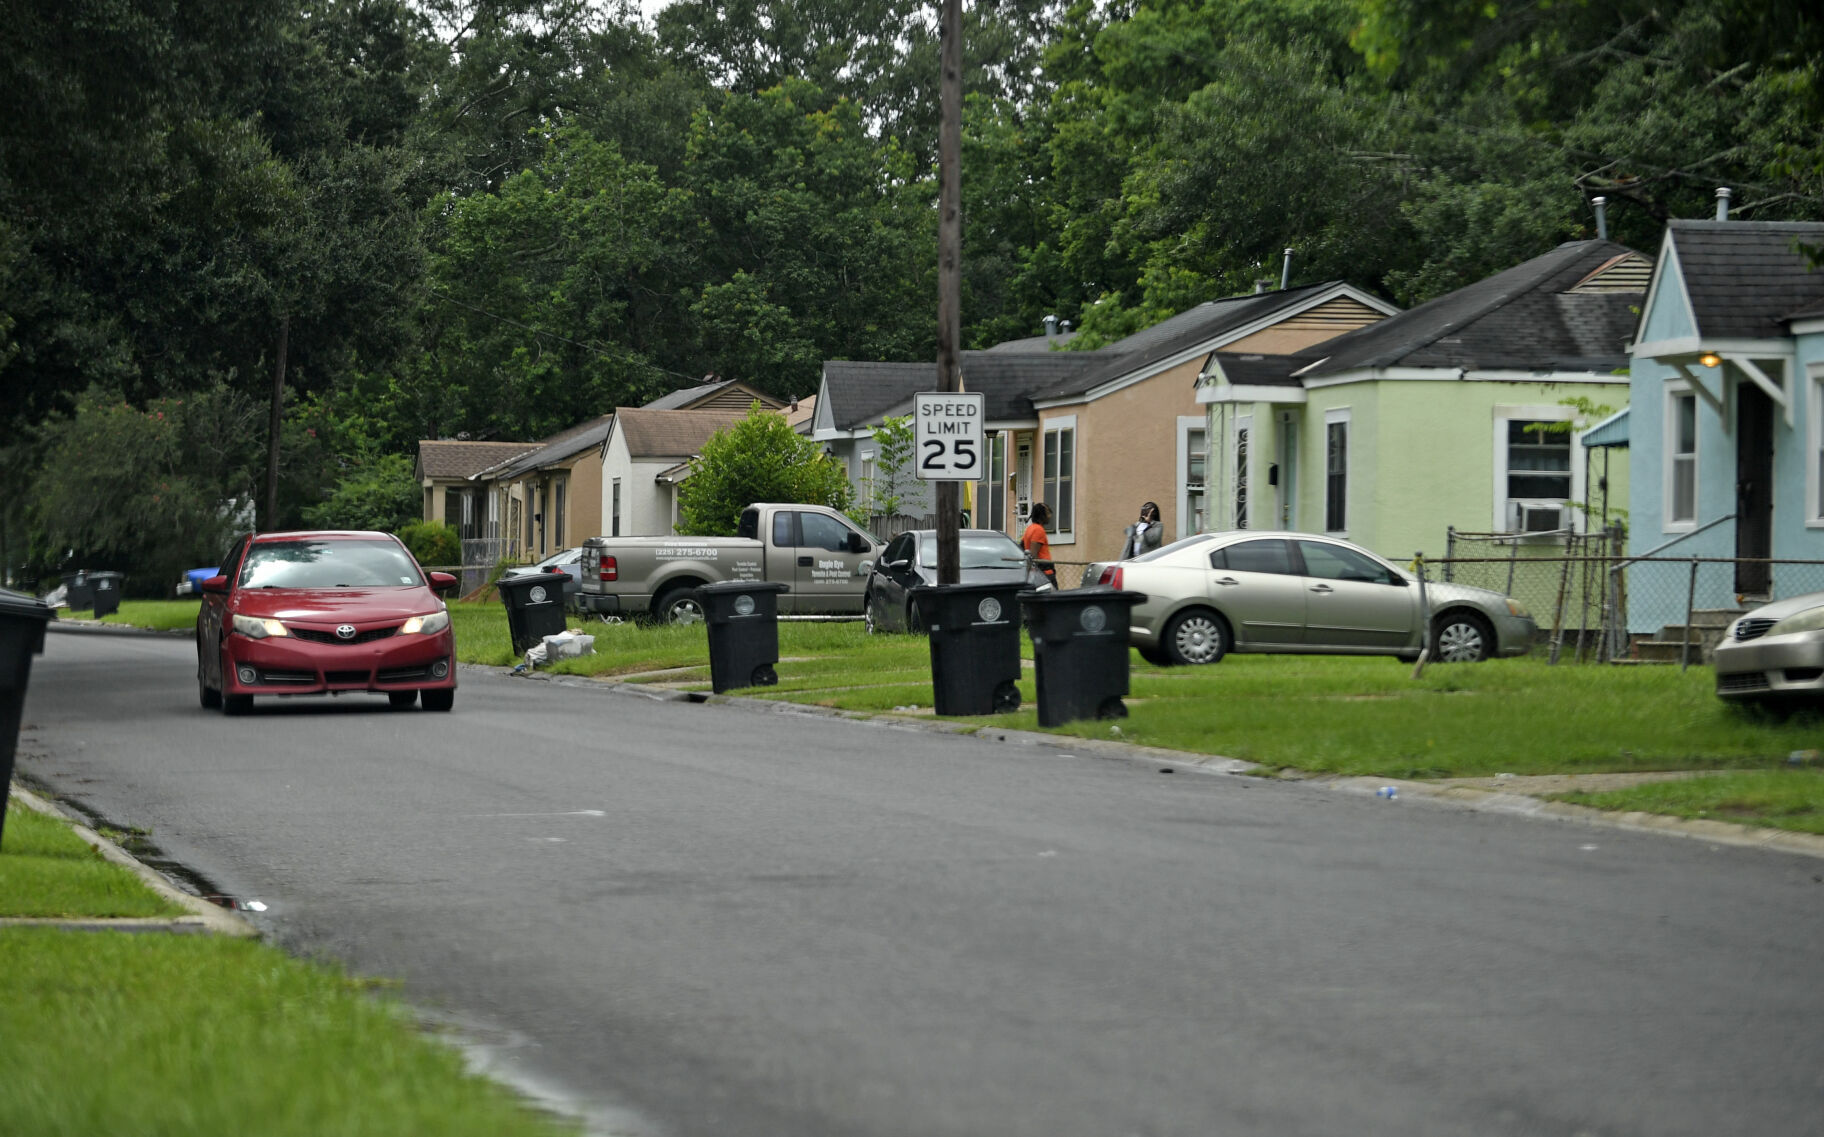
(858, 543)
(444, 582)
(215, 584)
(1400, 581)
(899, 564)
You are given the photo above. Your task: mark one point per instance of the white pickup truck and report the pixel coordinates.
(817, 552)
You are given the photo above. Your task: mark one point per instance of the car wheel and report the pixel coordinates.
(679, 606)
(209, 697)
(440, 700)
(236, 704)
(868, 619)
(401, 699)
(1461, 637)
(1196, 636)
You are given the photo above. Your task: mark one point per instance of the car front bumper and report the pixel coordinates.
(1515, 635)
(287, 665)
(1789, 666)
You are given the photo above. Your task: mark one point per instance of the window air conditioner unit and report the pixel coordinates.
(1537, 516)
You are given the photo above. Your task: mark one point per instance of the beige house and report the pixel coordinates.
(644, 457)
(446, 468)
(549, 497)
(1094, 433)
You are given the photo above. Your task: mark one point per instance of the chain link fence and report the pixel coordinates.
(1595, 604)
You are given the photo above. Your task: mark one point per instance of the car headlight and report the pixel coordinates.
(425, 625)
(255, 628)
(1809, 620)
(1516, 608)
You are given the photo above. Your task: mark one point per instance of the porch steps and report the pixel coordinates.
(1707, 628)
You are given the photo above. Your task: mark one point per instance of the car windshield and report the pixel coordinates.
(561, 558)
(329, 564)
(975, 550)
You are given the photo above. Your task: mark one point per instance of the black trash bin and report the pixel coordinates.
(975, 646)
(743, 620)
(106, 589)
(1079, 651)
(79, 591)
(22, 623)
(535, 608)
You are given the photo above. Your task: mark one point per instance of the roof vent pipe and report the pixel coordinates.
(1051, 325)
(1602, 217)
(1285, 272)
(1066, 326)
(1722, 203)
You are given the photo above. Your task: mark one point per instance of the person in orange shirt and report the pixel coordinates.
(1036, 544)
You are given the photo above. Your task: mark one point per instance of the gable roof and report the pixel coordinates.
(657, 433)
(717, 394)
(560, 447)
(460, 458)
(1542, 314)
(1744, 279)
(857, 394)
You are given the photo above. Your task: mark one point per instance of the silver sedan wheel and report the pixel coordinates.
(1197, 637)
(1461, 639)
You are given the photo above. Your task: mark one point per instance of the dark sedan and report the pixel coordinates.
(910, 560)
(324, 613)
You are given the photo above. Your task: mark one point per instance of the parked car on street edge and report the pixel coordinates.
(324, 612)
(1775, 653)
(566, 561)
(986, 556)
(1296, 593)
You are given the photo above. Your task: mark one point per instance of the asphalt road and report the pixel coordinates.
(701, 919)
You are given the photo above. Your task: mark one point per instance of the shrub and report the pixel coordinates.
(432, 542)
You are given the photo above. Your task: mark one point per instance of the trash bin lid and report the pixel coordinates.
(1094, 594)
(18, 606)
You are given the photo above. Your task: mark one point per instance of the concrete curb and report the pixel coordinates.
(203, 916)
(96, 627)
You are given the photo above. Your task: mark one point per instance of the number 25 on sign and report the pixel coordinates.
(948, 425)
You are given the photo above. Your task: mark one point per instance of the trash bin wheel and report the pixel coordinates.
(1006, 698)
(765, 676)
(1112, 708)
(399, 700)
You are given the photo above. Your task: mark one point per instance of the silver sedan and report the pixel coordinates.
(1296, 593)
(1774, 653)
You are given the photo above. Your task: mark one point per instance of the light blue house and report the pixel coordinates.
(1725, 422)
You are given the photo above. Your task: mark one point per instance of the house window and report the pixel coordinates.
(493, 533)
(1681, 458)
(1060, 471)
(614, 505)
(1336, 471)
(867, 481)
(1243, 427)
(1538, 475)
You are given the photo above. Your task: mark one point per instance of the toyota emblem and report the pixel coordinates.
(345, 632)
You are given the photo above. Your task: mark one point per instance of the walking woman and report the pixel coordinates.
(1036, 544)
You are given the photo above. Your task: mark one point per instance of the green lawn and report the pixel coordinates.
(164, 615)
(197, 1035)
(1779, 799)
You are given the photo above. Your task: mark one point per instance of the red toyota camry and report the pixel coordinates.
(323, 613)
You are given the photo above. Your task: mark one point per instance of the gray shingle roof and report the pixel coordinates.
(562, 446)
(1524, 318)
(452, 458)
(1253, 369)
(860, 393)
(654, 433)
(1745, 278)
(691, 397)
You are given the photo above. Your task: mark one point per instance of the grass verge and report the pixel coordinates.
(160, 615)
(1777, 799)
(198, 1035)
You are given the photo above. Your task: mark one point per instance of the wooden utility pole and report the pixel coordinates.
(950, 266)
(276, 421)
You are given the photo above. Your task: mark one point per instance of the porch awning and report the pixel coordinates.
(1611, 431)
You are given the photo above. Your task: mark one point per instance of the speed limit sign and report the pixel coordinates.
(948, 425)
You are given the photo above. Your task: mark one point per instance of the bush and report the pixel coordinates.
(432, 542)
(380, 493)
(758, 458)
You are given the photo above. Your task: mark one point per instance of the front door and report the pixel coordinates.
(1753, 490)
